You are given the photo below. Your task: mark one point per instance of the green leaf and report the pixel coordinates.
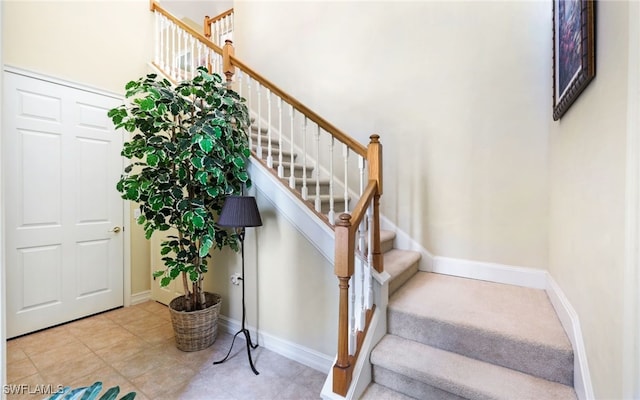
(238, 162)
(198, 221)
(201, 176)
(147, 104)
(158, 274)
(193, 276)
(213, 191)
(152, 159)
(164, 282)
(205, 246)
(111, 394)
(206, 144)
(197, 162)
(92, 391)
(129, 396)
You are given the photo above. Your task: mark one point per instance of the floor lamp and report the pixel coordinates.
(240, 212)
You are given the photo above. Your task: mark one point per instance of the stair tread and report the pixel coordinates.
(514, 311)
(376, 392)
(396, 261)
(460, 375)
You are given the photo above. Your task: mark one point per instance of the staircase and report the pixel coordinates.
(457, 338)
(447, 337)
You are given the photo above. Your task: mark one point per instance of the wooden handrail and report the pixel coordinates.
(210, 20)
(360, 210)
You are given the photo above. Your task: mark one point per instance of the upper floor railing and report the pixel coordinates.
(219, 28)
(309, 155)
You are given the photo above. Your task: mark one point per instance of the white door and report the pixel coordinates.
(63, 215)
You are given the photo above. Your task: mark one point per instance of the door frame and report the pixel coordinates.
(126, 237)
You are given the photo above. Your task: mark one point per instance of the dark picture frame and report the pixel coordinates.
(574, 58)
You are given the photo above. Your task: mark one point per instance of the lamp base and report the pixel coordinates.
(249, 345)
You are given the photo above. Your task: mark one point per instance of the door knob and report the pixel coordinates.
(116, 229)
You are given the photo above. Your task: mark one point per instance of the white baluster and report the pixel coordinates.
(305, 190)
(292, 178)
(332, 214)
(216, 37)
(192, 54)
(361, 255)
(156, 50)
(269, 132)
(345, 154)
(369, 277)
(259, 140)
(353, 329)
(318, 204)
(199, 54)
(182, 55)
(249, 106)
(232, 25)
(280, 166)
(361, 168)
(174, 60)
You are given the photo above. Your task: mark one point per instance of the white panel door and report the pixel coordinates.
(64, 217)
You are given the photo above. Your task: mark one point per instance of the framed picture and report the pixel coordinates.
(574, 63)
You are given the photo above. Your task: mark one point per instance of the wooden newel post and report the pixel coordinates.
(207, 26)
(227, 68)
(343, 268)
(374, 156)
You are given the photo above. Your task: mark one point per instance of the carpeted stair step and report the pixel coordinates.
(424, 372)
(506, 325)
(401, 265)
(311, 185)
(386, 240)
(325, 206)
(275, 153)
(264, 138)
(297, 169)
(379, 392)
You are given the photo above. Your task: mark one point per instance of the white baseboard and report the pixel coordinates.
(499, 273)
(304, 355)
(569, 319)
(140, 297)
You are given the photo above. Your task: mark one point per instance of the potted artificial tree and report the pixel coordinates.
(189, 151)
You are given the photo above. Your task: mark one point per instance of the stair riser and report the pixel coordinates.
(410, 387)
(275, 153)
(400, 280)
(311, 187)
(297, 170)
(544, 362)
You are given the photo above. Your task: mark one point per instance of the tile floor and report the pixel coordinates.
(133, 348)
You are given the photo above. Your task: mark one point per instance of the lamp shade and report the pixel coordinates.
(240, 211)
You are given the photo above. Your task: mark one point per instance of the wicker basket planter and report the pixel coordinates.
(195, 330)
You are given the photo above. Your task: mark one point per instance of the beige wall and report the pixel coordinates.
(587, 202)
(102, 44)
(458, 91)
(291, 291)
